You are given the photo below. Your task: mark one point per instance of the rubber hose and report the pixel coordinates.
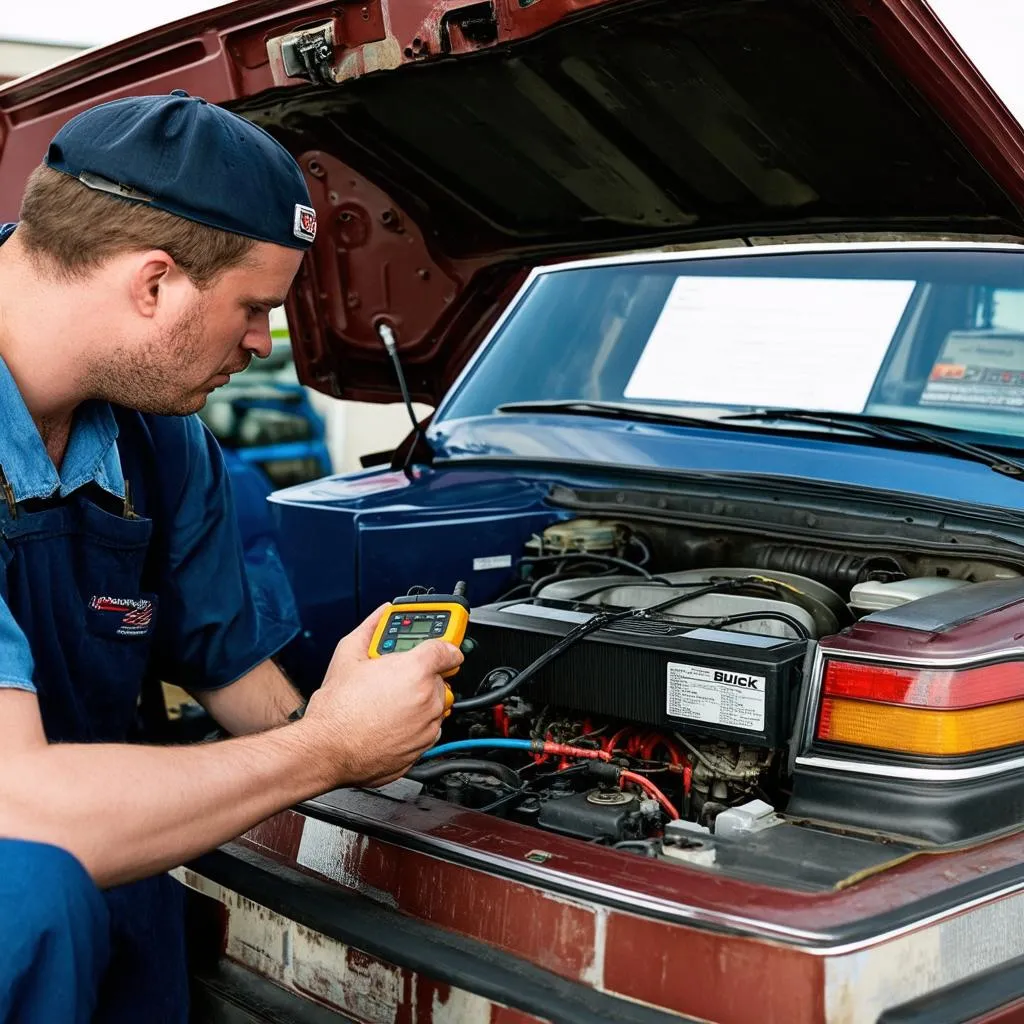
(438, 769)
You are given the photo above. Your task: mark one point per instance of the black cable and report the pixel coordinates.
(510, 594)
(598, 621)
(576, 556)
(491, 697)
(732, 583)
(434, 770)
(645, 550)
(660, 580)
(791, 620)
(505, 798)
(558, 577)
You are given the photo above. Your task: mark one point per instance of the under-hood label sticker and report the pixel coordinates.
(716, 696)
(492, 562)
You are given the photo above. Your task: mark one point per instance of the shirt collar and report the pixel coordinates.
(91, 454)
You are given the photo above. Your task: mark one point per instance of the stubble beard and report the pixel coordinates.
(151, 378)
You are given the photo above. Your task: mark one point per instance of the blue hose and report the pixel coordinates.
(496, 744)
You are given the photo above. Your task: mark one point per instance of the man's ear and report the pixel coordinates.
(150, 272)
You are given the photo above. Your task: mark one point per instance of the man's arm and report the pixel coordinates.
(260, 700)
(128, 811)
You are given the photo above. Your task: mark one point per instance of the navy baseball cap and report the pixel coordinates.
(193, 159)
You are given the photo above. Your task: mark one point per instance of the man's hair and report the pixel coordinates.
(76, 229)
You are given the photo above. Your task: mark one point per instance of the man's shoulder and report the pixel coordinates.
(163, 435)
(171, 453)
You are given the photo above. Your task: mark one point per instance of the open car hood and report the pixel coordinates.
(449, 145)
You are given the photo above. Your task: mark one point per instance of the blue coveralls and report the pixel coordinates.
(101, 598)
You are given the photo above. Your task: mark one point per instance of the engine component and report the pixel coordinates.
(609, 814)
(820, 609)
(685, 841)
(875, 597)
(748, 818)
(654, 670)
(584, 536)
(471, 765)
(723, 773)
(839, 568)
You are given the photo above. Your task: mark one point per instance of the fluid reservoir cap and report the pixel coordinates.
(752, 816)
(874, 596)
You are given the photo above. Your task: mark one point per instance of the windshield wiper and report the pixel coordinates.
(881, 427)
(887, 428)
(608, 411)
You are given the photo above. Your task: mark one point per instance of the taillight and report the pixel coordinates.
(926, 711)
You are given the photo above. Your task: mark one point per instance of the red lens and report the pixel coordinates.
(936, 688)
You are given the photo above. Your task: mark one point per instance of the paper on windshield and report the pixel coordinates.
(810, 343)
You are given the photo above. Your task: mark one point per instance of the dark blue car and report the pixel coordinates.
(820, 411)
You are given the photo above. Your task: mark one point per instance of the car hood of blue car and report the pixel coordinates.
(590, 447)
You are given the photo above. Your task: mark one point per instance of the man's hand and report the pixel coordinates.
(373, 717)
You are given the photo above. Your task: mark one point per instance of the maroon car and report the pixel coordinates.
(452, 147)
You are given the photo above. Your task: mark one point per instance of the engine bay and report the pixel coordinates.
(637, 686)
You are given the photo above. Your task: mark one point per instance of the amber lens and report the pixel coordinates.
(921, 731)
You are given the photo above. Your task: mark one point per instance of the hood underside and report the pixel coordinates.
(512, 133)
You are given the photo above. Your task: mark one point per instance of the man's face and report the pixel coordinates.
(204, 337)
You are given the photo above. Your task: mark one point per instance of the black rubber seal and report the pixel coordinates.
(947, 813)
(230, 994)
(426, 949)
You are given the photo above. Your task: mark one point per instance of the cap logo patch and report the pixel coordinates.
(305, 223)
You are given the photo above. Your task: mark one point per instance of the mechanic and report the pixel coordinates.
(152, 243)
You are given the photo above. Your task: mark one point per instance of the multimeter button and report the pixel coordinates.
(387, 645)
(437, 629)
(406, 622)
(392, 630)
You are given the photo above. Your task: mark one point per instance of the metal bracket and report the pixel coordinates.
(310, 54)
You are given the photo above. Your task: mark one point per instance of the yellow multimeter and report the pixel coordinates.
(411, 619)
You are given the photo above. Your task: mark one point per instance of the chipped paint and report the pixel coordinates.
(593, 974)
(345, 978)
(459, 1007)
(859, 986)
(384, 55)
(333, 974)
(338, 854)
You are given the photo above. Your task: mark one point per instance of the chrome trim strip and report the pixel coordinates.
(925, 922)
(630, 901)
(805, 735)
(913, 773)
(626, 899)
(931, 661)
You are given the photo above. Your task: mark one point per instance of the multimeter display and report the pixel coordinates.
(405, 630)
(413, 618)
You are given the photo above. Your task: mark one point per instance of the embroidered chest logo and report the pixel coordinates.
(136, 614)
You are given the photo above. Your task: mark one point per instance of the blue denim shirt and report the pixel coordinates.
(91, 457)
(222, 617)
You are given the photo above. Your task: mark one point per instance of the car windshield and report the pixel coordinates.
(926, 335)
